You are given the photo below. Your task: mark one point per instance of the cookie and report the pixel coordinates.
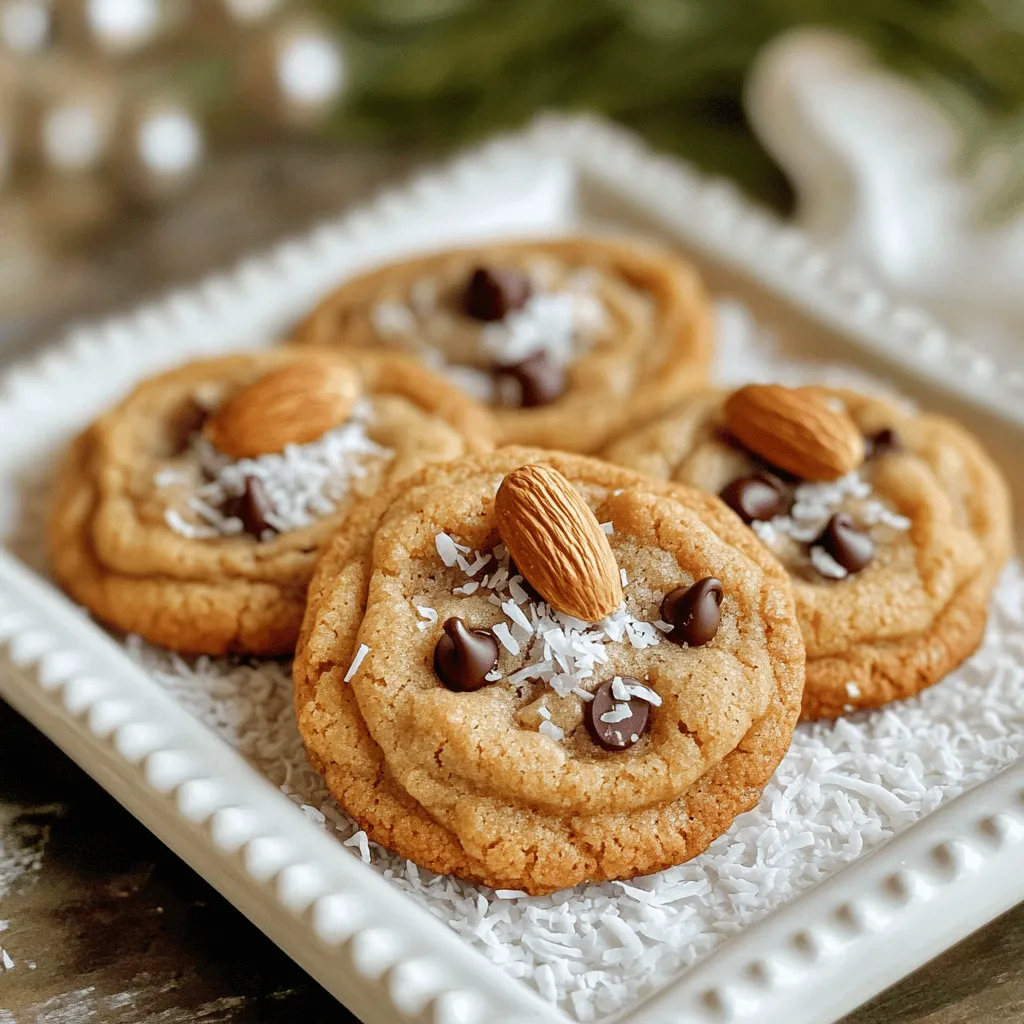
(193, 512)
(568, 341)
(892, 524)
(469, 721)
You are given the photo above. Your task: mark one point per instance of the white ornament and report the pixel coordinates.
(310, 71)
(876, 165)
(123, 24)
(74, 136)
(24, 25)
(169, 142)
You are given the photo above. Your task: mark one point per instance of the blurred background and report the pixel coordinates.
(145, 141)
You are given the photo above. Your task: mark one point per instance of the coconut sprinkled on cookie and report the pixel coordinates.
(528, 334)
(300, 484)
(814, 505)
(554, 648)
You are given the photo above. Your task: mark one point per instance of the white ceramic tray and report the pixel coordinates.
(810, 959)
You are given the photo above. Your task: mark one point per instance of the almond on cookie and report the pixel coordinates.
(892, 524)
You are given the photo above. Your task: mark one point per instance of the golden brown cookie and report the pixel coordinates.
(893, 525)
(469, 723)
(194, 511)
(569, 341)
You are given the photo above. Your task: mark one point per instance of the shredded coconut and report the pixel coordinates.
(814, 504)
(507, 640)
(558, 321)
(619, 713)
(361, 842)
(301, 484)
(356, 662)
(559, 650)
(826, 564)
(621, 690)
(547, 728)
(428, 614)
(446, 549)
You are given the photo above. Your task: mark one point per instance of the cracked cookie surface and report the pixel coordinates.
(912, 603)
(160, 534)
(508, 784)
(568, 341)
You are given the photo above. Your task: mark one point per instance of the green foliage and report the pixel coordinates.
(444, 71)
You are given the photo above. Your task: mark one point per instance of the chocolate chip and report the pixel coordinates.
(848, 545)
(620, 734)
(252, 507)
(541, 379)
(493, 292)
(694, 611)
(187, 420)
(464, 656)
(761, 496)
(885, 442)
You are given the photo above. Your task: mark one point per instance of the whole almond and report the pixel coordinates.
(557, 543)
(795, 429)
(294, 404)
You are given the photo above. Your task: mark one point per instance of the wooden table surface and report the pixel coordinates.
(98, 920)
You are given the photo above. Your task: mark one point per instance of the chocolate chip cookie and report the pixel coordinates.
(531, 669)
(568, 341)
(893, 525)
(194, 511)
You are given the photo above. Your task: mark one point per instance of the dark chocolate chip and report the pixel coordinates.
(761, 496)
(541, 379)
(464, 656)
(848, 545)
(615, 735)
(252, 507)
(493, 292)
(885, 442)
(694, 612)
(187, 420)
